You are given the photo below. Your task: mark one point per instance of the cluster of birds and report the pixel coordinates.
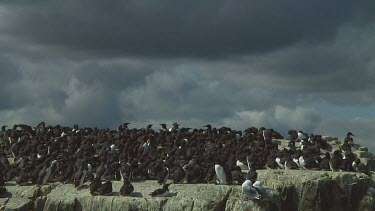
(77, 155)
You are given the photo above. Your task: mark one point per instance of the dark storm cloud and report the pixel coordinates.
(100, 63)
(175, 28)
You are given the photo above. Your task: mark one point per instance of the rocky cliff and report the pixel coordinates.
(292, 190)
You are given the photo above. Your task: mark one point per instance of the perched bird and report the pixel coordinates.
(163, 175)
(179, 174)
(349, 138)
(47, 173)
(252, 174)
(242, 165)
(163, 192)
(324, 163)
(249, 191)
(95, 186)
(106, 188)
(3, 190)
(127, 188)
(258, 185)
(220, 174)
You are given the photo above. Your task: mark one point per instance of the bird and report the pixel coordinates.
(127, 188)
(95, 186)
(249, 191)
(179, 174)
(349, 137)
(242, 165)
(3, 190)
(220, 174)
(48, 172)
(162, 192)
(106, 188)
(163, 128)
(258, 185)
(163, 175)
(252, 174)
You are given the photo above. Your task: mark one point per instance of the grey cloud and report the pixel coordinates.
(175, 29)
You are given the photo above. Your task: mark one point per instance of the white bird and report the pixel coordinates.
(278, 161)
(113, 148)
(301, 135)
(242, 165)
(220, 174)
(249, 191)
(258, 185)
(297, 162)
(301, 161)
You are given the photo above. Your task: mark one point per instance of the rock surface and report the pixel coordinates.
(292, 190)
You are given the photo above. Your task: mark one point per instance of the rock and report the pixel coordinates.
(316, 190)
(183, 197)
(292, 190)
(237, 202)
(363, 149)
(17, 204)
(28, 191)
(363, 154)
(40, 202)
(368, 202)
(330, 139)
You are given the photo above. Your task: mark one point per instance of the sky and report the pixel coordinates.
(304, 65)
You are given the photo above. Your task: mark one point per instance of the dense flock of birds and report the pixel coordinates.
(77, 155)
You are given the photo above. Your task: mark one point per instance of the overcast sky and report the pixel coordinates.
(305, 65)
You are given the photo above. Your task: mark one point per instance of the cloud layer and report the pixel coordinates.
(301, 65)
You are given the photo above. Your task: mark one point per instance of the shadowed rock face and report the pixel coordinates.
(292, 190)
(317, 190)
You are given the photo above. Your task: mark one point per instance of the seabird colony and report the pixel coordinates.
(77, 155)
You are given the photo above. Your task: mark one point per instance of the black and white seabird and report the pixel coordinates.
(106, 188)
(95, 186)
(252, 174)
(179, 174)
(127, 188)
(48, 172)
(163, 192)
(220, 174)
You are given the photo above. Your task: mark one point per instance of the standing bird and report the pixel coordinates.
(127, 188)
(179, 174)
(252, 174)
(47, 173)
(220, 174)
(163, 128)
(163, 175)
(349, 138)
(324, 163)
(163, 192)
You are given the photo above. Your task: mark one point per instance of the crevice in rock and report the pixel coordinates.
(223, 203)
(163, 203)
(192, 205)
(5, 204)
